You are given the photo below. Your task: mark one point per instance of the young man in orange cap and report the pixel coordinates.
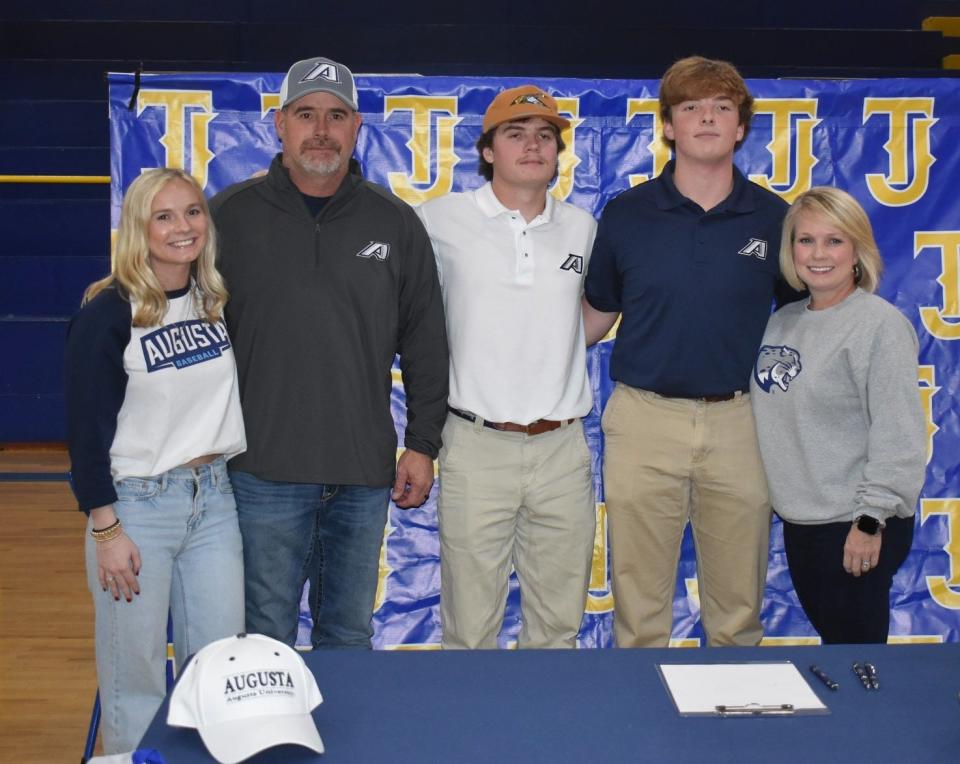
(516, 485)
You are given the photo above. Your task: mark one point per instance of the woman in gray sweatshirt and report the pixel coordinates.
(839, 420)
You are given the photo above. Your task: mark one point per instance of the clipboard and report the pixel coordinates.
(751, 689)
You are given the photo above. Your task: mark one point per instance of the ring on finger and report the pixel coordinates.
(865, 565)
(110, 579)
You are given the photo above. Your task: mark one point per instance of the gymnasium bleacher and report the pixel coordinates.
(54, 138)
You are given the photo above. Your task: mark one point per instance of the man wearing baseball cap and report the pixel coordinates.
(516, 486)
(330, 276)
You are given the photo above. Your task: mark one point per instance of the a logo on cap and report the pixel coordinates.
(324, 70)
(534, 99)
(253, 683)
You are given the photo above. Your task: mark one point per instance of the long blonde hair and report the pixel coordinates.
(130, 267)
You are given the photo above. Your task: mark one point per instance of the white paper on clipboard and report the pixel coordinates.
(740, 689)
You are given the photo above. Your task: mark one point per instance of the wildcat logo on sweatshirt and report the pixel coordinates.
(776, 367)
(183, 344)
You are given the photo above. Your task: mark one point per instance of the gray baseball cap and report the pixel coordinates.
(318, 75)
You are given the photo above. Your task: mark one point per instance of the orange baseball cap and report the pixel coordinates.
(521, 103)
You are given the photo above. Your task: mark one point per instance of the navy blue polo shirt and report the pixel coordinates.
(694, 288)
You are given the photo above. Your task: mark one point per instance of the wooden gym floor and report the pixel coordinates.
(47, 674)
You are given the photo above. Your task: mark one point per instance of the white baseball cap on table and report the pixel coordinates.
(245, 694)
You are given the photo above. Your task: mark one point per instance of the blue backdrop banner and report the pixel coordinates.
(893, 144)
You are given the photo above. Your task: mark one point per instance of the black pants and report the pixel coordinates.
(844, 609)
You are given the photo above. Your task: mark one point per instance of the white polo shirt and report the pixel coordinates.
(511, 291)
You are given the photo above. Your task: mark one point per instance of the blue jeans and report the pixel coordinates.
(184, 523)
(282, 525)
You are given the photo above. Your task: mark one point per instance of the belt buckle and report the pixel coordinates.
(546, 425)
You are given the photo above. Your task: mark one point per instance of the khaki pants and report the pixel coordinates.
(512, 499)
(669, 460)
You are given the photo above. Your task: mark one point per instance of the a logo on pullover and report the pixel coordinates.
(183, 344)
(376, 249)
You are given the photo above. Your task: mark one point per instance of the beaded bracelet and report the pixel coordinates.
(109, 533)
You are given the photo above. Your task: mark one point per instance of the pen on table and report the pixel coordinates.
(822, 676)
(872, 675)
(862, 676)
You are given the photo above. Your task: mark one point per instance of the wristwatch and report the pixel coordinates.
(869, 525)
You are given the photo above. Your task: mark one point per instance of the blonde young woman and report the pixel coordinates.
(153, 413)
(839, 420)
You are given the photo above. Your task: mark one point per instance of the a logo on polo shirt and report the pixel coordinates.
(755, 248)
(376, 249)
(322, 71)
(183, 344)
(573, 263)
(777, 365)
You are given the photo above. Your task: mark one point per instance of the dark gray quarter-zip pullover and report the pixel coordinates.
(319, 306)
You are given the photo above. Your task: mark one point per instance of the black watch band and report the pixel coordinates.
(869, 525)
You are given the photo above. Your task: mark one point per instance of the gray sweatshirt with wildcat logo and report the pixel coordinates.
(841, 427)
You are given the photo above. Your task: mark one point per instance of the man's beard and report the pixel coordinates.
(316, 165)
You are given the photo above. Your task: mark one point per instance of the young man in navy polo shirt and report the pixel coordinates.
(689, 262)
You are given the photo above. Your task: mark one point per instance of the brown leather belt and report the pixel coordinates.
(534, 428)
